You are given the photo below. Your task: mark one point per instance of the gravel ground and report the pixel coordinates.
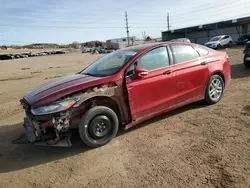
(193, 146)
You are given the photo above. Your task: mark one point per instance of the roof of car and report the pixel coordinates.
(141, 47)
(220, 36)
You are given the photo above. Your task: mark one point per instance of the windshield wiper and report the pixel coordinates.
(89, 74)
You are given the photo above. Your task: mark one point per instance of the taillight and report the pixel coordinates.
(227, 57)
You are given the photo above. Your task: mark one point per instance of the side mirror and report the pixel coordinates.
(141, 72)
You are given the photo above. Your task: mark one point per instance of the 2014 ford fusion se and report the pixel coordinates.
(124, 88)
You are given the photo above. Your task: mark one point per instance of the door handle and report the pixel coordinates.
(167, 72)
(203, 63)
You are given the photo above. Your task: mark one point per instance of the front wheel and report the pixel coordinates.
(214, 90)
(218, 46)
(98, 126)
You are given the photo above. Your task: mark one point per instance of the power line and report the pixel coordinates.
(210, 9)
(140, 12)
(58, 27)
(205, 7)
(75, 27)
(148, 18)
(201, 20)
(88, 21)
(218, 20)
(112, 11)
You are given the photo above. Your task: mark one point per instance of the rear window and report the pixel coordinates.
(201, 51)
(184, 53)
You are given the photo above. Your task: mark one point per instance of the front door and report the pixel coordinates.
(155, 91)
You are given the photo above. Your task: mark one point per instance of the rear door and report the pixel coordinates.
(154, 92)
(225, 40)
(192, 72)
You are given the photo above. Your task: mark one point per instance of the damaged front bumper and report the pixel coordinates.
(50, 133)
(46, 130)
(45, 134)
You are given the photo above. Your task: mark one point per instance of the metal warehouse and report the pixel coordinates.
(122, 40)
(202, 33)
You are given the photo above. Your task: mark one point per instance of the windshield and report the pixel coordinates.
(109, 64)
(215, 39)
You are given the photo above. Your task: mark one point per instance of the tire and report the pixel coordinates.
(92, 119)
(247, 64)
(218, 46)
(230, 44)
(212, 99)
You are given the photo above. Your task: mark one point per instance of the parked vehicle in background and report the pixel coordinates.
(84, 50)
(181, 40)
(122, 89)
(243, 39)
(220, 41)
(246, 59)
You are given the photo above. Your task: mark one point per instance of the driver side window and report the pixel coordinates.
(154, 59)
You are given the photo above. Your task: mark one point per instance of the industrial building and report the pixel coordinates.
(202, 33)
(122, 40)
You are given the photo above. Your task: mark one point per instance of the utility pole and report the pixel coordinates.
(126, 19)
(168, 22)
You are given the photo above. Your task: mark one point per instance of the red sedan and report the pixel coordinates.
(122, 89)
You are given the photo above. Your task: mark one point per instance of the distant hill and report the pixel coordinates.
(76, 45)
(41, 45)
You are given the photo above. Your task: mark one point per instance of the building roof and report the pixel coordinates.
(210, 26)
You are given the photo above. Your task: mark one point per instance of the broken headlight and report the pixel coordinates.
(54, 108)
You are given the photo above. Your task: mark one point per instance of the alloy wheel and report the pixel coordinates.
(215, 89)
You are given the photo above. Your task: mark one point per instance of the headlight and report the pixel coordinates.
(53, 108)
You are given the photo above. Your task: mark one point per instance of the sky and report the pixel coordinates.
(66, 21)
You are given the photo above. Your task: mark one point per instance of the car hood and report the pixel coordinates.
(212, 42)
(60, 87)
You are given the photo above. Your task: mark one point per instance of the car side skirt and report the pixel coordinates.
(149, 116)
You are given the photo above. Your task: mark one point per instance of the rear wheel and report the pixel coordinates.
(98, 126)
(215, 89)
(230, 44)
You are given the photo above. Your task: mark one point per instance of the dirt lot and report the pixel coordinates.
(194, 146)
